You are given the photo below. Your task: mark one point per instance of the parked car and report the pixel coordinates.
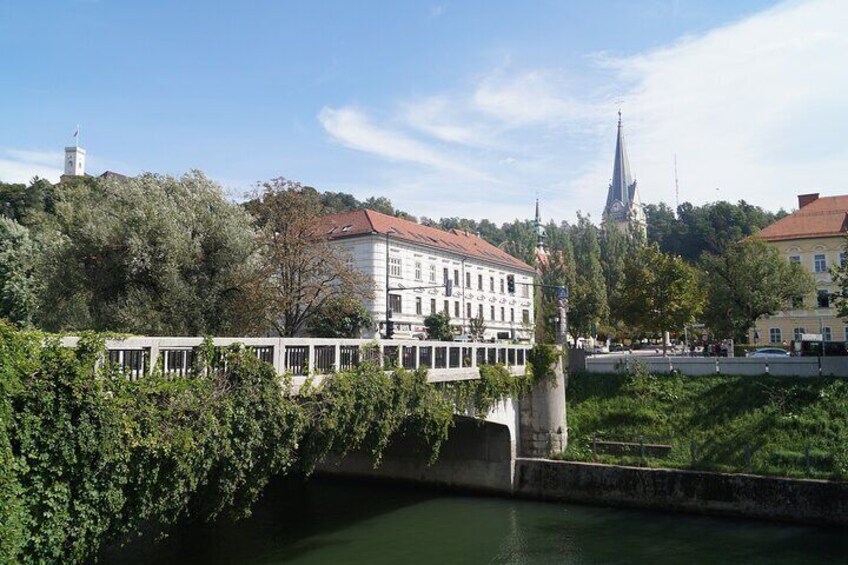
(768, 352)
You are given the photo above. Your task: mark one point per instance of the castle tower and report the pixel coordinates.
(74, 161)
(623, 207)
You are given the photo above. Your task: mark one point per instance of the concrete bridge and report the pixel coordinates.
(478, 453)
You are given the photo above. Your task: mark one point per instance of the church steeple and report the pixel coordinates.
(540, 229)
(623, 205)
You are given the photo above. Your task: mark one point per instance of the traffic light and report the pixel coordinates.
(448, 287)
(390, 329)
(510, 284)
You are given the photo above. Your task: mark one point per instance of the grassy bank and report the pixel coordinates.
(784, 426)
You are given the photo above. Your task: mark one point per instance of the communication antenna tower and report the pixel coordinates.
(676, 187)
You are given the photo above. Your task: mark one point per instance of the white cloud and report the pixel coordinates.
(351, 128)
(754, 108)
(21, 165)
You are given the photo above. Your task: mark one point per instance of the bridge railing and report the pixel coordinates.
(304, 357)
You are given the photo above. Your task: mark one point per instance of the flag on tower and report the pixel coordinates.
(76, 132)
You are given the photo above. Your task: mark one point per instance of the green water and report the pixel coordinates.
(369, 523)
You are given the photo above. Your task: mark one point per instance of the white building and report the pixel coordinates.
(412, 256)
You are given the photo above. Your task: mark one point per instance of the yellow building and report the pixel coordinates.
(814, 236)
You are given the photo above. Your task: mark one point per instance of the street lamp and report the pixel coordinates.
(388, 307)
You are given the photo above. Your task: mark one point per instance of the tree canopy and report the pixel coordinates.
(659, 292)
(748, 280)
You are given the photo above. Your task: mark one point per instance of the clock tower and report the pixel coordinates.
(74, 161)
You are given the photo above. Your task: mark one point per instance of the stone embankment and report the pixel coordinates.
(772, 498)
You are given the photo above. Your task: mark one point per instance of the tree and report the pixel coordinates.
(18, 283)
(438, 327)
(477, 328)
(340, 317)
(300, 269)
(658, 292)
(749, 280)
(588, 296)
(149, 255)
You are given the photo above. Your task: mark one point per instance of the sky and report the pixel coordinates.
(449, 108)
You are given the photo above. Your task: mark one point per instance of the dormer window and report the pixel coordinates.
(346, 228)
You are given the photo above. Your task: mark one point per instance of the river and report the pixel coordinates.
(344, 522)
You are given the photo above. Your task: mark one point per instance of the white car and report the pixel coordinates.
(768, 352)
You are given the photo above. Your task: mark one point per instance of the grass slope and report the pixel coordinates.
(786, 426)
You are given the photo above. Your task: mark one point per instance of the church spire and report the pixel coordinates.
(540, 229)
(623, 205)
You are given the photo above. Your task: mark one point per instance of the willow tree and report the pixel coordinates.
(658, 292)
(300, 269)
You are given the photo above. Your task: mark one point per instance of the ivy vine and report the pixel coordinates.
(89, 457)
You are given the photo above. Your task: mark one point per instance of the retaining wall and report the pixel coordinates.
(737, 366)
(794, 500)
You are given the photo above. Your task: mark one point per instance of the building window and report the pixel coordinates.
(827, 334)
(525, 316)
(796, 259)
(447, 308)
(480, 311)
(512, 314)
(418, 270)
(525, 291)
(456, 309)
(820, 264)
(445, 275)
(395, 303)
(432, 305)
(842, 259)
(467, 280)
(502, 286)
(395, 267)
(493, 313)
(432, 273)
(823, 298)
(503, 314)
(491, 284)
(797, 333)
(468, 310)
(774, 335)
(479, 282)
(456, 278)
(419, 309)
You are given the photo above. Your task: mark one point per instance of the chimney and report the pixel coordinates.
(804, 199)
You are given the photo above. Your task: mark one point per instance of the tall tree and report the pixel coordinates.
(659, 292)
(588, 297)
(749, 280)
(18, 283)
(340, 317)
(151, 255)
(300, 270)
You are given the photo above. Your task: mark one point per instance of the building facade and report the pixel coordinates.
(418, 260)
(814, 237)
(623, 208)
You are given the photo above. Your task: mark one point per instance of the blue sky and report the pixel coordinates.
(448, 108)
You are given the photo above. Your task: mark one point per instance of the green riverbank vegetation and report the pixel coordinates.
(780, 426)
(89, 457)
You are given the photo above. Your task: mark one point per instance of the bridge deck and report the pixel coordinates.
(305, 357)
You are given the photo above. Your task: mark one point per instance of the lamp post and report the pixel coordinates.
(388, 307)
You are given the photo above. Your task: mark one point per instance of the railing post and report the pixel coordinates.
(416, 348)
(312, 360)
(279, 357)
(474, 356)
(338, 357)
(154, 356)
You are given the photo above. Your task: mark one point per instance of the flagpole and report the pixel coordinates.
(77, 135)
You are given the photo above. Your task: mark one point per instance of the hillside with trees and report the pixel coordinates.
(156, 254)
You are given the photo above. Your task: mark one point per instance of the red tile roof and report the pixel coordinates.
(361, 222)
(823, 217)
